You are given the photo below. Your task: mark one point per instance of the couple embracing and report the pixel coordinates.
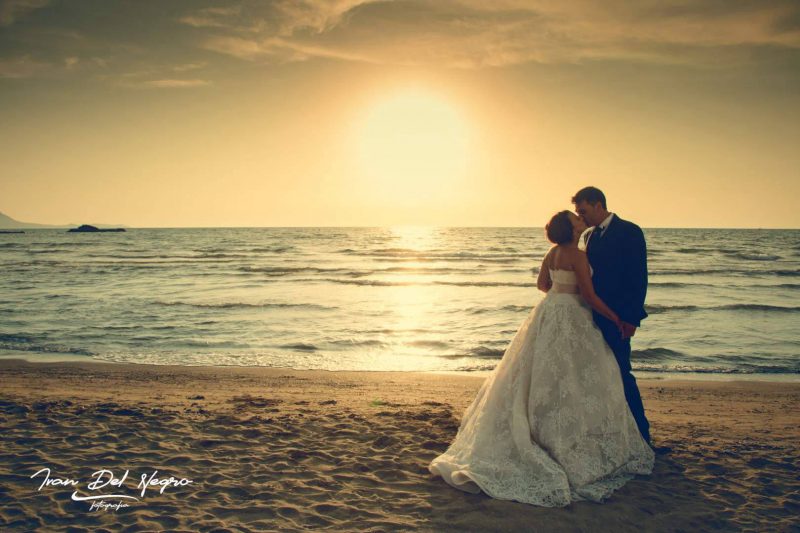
(560, 418)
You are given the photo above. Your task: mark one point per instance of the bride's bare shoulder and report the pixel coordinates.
(579, 255)
(548, 257)
(574, 257)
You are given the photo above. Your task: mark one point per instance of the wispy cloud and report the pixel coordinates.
(473, 33)
(212, 17)
(22, 67)
(189, 66)
(158, 77)
(11, 10)
(449, 33)
(175, 83)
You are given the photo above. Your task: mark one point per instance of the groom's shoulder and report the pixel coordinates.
(630, 227)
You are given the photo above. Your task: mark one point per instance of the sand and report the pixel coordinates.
(277, 449)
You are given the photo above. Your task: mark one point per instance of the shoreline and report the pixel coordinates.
(274, 448)
(647, 375)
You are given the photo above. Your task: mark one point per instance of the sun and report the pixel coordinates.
(412, 144)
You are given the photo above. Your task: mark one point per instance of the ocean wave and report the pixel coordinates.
(481, 351)
(508, 308)
(756, 307)
(278, 271)
(484, 351)
(67, 244)
(283, 270)
(753, 256)
(431, 270)
(440, 259)
(508, 249)
(517, 308)
(270, 249)
(724, 271)
(429, 344)
(244, 305)
(204, 343)
(692, 369)
(383, 283)
(652, 354)
(26, 343)
(485, 283)
(361, 282)
(248, 251)
(434, 254)
(300, 346)
(359, 342)
(163, 256)
(704, 250)
(655, 368)
(677, 285)
(657, 309)
(477, 368)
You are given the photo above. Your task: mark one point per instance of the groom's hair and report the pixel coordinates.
(559, 229)
(591, 195)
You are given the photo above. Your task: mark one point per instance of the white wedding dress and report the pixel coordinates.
(550, 425)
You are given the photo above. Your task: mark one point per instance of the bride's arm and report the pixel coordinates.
(543, 282)
(584, 276)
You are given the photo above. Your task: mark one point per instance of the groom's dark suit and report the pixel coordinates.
(619, 263)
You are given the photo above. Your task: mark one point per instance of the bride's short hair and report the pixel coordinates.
(559, 229)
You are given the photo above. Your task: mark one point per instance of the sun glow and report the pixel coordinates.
(411, 146)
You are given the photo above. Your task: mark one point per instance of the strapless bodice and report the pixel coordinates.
(564, 281)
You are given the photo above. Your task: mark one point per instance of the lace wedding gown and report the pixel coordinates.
(550, 425)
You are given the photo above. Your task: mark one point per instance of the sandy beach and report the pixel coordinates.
(277, 449)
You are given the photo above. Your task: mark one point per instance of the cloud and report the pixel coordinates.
(212, 17)
(175, 84)
(236, 46)
(474, 33)
(22, 67)
(11, 10)
(189, 66)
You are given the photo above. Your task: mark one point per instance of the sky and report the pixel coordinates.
(381, 113)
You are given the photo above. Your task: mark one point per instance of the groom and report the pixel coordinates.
(618, 255)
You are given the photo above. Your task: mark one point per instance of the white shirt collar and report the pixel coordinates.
(604, 224)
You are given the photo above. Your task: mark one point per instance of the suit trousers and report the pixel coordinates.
(622, 351)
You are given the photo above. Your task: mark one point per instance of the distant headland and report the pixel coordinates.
(8, 223)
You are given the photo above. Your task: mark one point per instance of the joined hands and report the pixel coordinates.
(627, 330)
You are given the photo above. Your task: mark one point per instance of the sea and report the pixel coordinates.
(722, 303)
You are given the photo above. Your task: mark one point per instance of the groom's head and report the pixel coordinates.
(590, 205)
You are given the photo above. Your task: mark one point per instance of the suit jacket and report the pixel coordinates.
(619, 264)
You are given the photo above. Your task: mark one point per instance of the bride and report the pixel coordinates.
(550, 425)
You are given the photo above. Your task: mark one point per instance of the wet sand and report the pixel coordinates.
(279, 449)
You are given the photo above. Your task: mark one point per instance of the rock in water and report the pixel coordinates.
(88, 228)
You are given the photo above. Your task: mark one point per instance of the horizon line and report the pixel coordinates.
(58, 227)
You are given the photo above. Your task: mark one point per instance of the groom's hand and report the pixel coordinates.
(628, 330)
